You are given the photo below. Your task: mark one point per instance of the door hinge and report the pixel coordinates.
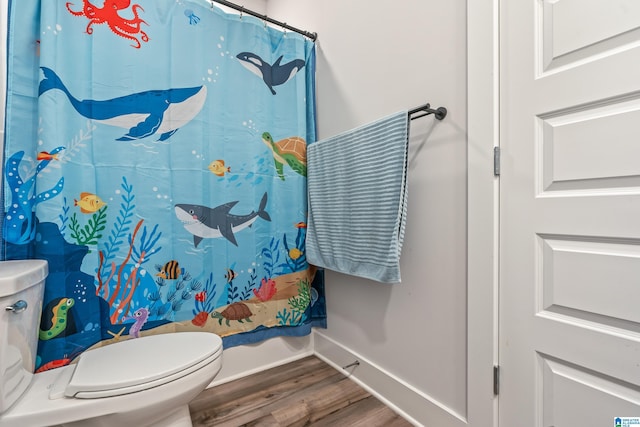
(496, 380)
(496, 161)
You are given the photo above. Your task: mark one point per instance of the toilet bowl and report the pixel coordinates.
(145, 381)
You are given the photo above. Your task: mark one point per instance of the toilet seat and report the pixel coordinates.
(137, 364)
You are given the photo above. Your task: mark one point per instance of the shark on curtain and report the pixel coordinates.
(204, 222)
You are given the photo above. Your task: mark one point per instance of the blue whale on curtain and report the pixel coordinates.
(144, 114)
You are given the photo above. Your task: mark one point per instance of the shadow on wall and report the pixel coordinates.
(331, 122)
(420, 131)
(420, 137)
(372, 296)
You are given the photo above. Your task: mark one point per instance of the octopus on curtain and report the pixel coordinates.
(108, 13)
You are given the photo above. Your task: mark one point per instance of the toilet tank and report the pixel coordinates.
(21, 291)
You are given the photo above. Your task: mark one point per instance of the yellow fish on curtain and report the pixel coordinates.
(155, 156)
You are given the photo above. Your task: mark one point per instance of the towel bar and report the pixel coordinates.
(440, 113)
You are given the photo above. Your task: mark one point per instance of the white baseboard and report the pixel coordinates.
(415, 406)
(241, 361)
(258, 369)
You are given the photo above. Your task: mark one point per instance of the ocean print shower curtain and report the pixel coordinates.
(155, 156)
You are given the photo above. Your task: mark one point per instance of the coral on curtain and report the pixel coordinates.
(155, 156)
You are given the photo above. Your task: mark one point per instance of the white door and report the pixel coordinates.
(570, 212)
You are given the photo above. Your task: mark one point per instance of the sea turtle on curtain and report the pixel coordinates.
(237, 311)
(272, 75)
(147, 113)
(292, 151)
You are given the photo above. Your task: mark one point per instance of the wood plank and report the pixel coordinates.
(307, 392)
(309, 407)
(367, 412)
(245, 400)
(262, 380)
(263, 402)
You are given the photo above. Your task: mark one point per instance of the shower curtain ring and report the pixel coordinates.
(241, 11)
(284, 29)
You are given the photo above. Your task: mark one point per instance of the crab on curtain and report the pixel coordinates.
(155, 156)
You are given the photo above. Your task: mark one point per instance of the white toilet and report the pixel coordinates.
(147, 381)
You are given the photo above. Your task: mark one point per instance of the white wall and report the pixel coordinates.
(373, 60)
(259, 6)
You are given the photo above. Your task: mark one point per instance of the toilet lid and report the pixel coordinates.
(141, 363)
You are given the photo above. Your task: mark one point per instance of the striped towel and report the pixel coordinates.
(358, 199)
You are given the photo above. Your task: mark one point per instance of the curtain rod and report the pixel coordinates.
(440, 112)
(241, 9)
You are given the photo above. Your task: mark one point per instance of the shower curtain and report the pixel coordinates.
(155, 156)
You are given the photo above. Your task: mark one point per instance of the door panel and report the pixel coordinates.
(569, 212)
(575, 31)
(576, 279)
(592, 148)
(563, 382)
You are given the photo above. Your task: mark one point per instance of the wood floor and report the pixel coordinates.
(307, 392)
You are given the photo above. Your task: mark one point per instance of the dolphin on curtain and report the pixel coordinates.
(147, 113)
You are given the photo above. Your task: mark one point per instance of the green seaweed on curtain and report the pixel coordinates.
(301, 302)
(90, 233)
(299, 306)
